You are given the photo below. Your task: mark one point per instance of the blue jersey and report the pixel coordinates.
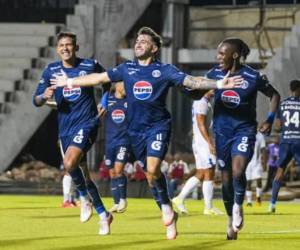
(76, 105)
(146, 90)
(116, 121)
(289, 114)
(236, 108)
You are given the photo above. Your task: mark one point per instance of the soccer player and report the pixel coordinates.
(235, 125)
(288, 118)
(116, 144)
(205, 156)
(77, 120)
(147, 82)
(254, 170)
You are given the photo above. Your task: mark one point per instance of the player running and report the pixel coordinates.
(77, 120)
(205, 156)
(116, 143)
(254, 170)
(147, 82)
(288, 118)
(235, 125)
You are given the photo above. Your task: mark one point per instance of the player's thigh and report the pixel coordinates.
(285, 154)
(296, 152)
(223, 150)
(84, 138)
(243, 145)
(157, 143)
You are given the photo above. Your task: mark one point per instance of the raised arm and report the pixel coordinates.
(62, 80)
(199, 82)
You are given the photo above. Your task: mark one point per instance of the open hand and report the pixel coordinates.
(59, 80)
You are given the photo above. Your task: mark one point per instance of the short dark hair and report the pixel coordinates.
(154, 36)
(294, 85)
(64, 34)
(242, 48)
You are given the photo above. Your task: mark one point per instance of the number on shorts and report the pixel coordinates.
(121, 153)
(79, 137)
(243, 145)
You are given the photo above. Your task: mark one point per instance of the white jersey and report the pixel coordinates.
(201, 151)
(201, 107)
(254, 169)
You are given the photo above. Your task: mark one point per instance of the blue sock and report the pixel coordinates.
(94, 193)
(239, 186)
(122, 186)
(115, 190)
(227, 193)
(78, 179)
(156, 196)
(275, 190)
(162, 188)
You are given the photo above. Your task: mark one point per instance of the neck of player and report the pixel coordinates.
(145, 61)
(70, 63)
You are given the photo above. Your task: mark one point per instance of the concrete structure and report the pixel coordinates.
(20, 47)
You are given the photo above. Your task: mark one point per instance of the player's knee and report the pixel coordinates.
(69, 164)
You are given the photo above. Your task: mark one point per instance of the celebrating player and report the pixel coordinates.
(204, 152)
(235, 125)
(288, 118)
(77, 120)
(116, 143)
(147, 82)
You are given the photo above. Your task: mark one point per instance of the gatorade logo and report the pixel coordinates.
(71, 94)
(231, 99)
(142, 90)
(118, 116)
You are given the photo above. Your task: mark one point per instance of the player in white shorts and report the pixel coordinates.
(254, 170)
(204, 152)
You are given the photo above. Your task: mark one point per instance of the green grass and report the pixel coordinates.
(37, 222)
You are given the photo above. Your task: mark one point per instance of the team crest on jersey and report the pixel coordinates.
(118, 116)
(156, 73)
(71, 94)
(245, 84)
(231, 99)
(107, 162)
(82, 73)
(142, 90)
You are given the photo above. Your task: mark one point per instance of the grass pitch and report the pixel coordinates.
(38, 222)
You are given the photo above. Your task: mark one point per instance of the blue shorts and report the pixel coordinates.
(84, 138)
(286, 152)
(114, 154)
(153, 143)
(229, 146)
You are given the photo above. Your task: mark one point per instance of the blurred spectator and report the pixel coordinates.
(129, 171)
(103, 171)
(177, 173)
(139, 174)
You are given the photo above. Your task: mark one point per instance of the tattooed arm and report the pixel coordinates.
(199, 82)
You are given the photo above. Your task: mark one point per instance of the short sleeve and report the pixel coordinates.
(262, 82)
(201, 107)
(116, 74)
(43, 84)
(98, 67)
(175, 76)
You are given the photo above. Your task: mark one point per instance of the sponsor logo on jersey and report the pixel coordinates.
(82, 73)
(245, 84)
(118, 116)
(142, 90)
(231, 99)
(71, 94)
(156, 73)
